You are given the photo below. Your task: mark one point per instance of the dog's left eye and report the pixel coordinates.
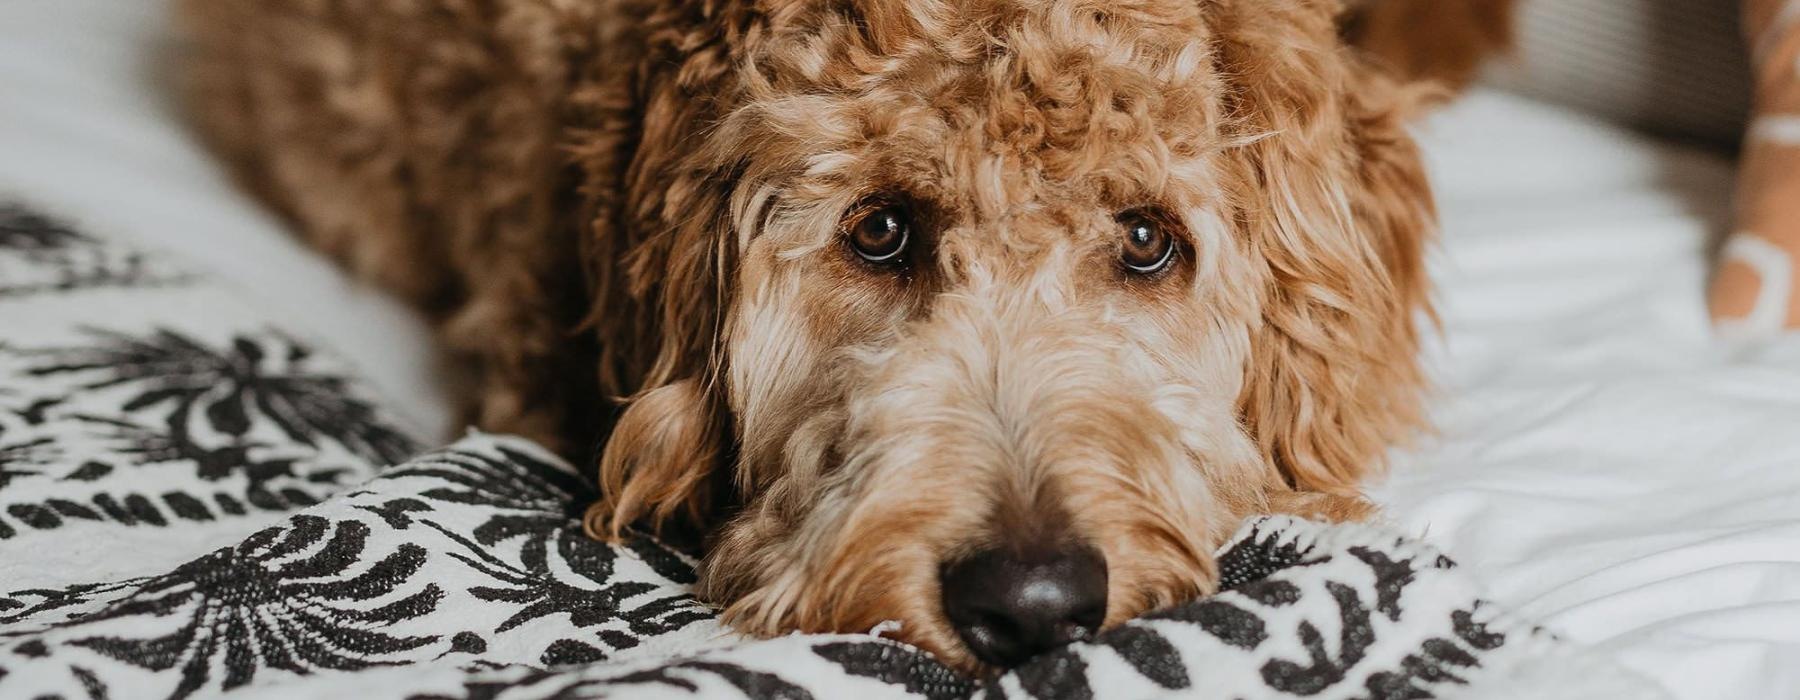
(880, 236)
(1148, 248)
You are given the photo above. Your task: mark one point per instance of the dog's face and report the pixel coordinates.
(1020, 308)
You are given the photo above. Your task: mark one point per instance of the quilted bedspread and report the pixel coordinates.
(195, 503)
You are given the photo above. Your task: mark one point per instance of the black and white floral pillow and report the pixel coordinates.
(147, 415)
(194, 505)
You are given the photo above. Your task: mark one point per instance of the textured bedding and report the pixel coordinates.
(1603, 465)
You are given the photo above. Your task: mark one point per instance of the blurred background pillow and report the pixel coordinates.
(1674, 68)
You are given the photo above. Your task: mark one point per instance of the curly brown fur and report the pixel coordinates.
(648, 201)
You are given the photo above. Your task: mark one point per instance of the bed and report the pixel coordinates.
(1603, 463)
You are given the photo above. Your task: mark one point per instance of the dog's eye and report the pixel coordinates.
(1148, 248)
(881, 235)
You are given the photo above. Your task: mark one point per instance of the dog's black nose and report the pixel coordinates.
(1009, 607)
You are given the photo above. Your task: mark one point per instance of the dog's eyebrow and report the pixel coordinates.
(751, 210)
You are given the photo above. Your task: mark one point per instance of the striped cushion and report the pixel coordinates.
(1676, 68)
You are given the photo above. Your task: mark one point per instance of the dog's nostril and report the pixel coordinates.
(1009, 607)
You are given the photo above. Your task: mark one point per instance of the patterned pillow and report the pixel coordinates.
(147, 415)
(1754, 289)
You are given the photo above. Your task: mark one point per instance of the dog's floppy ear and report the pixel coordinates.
(1335, 203)
(659, 259)
(659, 462)
(658, 268)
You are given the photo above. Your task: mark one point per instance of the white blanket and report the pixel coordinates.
(1603, 462)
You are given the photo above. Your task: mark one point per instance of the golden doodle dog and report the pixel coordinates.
(992, 317)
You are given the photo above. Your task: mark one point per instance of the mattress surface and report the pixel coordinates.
(1601, 459)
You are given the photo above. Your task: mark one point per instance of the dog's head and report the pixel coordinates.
(993, 317)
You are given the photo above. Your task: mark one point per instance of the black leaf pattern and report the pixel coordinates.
(1436, 664)
(27, 232)
(1391, 577)
(51, 257)
(899, 665)
(14, 457)
(538, 593)
(543, 495)
(1059, 674)
(1324, 669)
(90, 682)
(1229, 623)
(568, 652)
(398, 513)
(663, 559)
(53, 599)
(271, 599)
(1476, 634)
(169, 368)
(1150, 654)
(1260, 556)
(683, 676)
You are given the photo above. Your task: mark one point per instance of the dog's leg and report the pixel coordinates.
(417, 143)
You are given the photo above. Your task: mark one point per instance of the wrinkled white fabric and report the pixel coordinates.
(1603, 460)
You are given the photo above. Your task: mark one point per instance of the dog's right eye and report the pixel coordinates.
(1148, 248)
(881, 234)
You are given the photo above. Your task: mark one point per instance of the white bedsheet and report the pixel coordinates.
(1602, 461)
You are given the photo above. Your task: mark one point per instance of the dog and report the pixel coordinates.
(991, 317)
